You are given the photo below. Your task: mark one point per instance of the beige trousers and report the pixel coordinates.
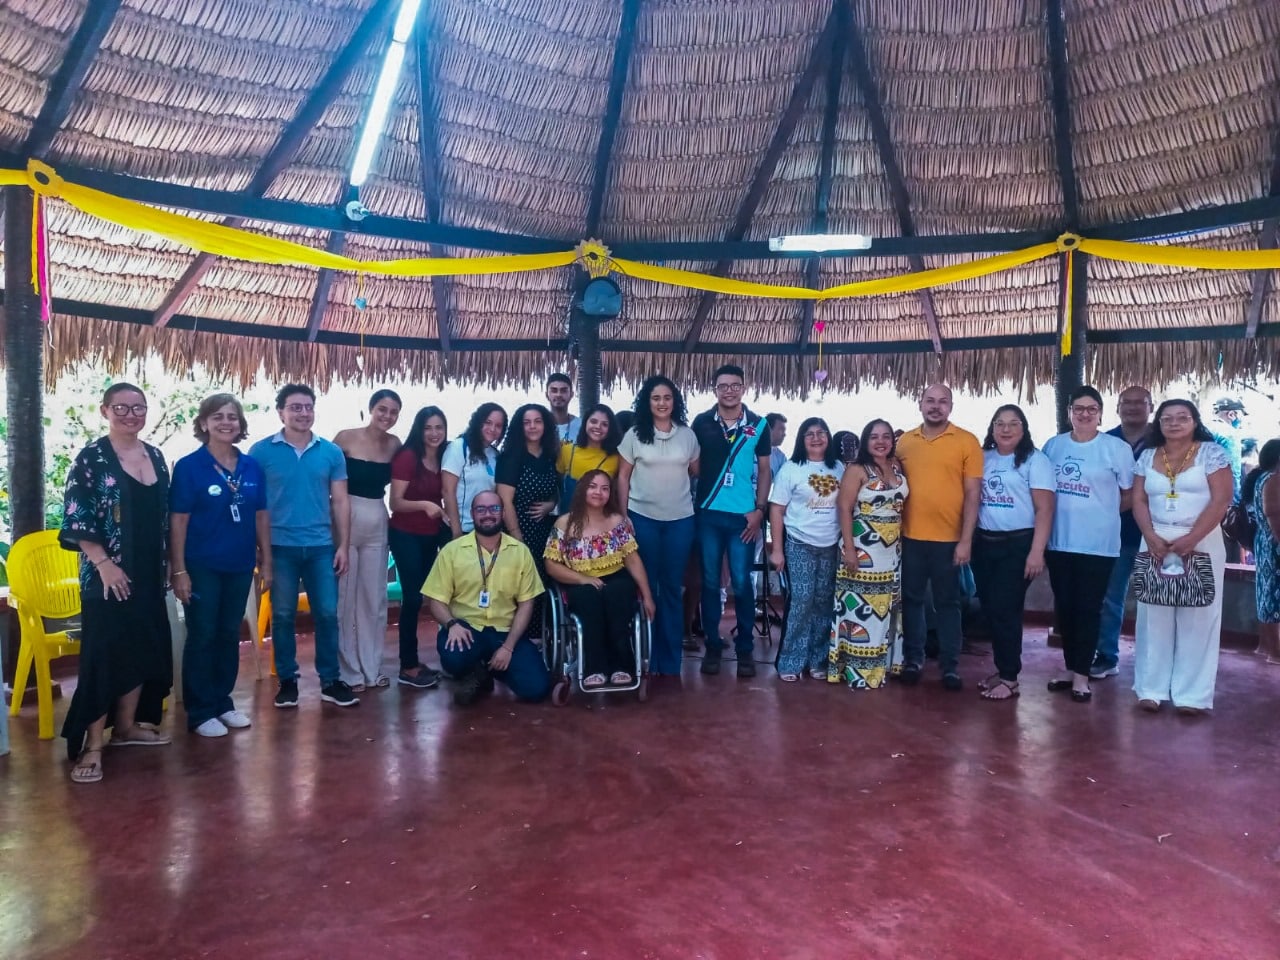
(362, 595)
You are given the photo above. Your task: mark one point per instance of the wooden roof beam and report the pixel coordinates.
(375, 23)
(826, 163)
(429, 172)
(1060, 95)
(870, 94)
(612, 113)
(81, 51)
(769, 162)
(1267, 239)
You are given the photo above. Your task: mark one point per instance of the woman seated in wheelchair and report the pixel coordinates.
(592, 551)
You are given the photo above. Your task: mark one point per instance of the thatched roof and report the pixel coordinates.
(1174, 105)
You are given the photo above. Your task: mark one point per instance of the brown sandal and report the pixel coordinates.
(990, 690)
(87, 771)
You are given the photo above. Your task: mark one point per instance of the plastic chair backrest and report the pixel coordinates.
(44, 577)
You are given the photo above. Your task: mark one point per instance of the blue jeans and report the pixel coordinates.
(314, 567)
(720, 534)
(526, 675)
(1108, 654)
(664, 548)
(211, 657)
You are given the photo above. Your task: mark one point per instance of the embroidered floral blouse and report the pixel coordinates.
(596, 556)
(98, 504)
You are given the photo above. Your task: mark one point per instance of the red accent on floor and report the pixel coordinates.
(725, 818)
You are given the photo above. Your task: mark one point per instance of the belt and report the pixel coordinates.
(1005, 534)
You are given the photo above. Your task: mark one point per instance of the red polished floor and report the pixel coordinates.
(723, 819)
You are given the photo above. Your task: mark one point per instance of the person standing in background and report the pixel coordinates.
(362, 593)
(559, 396)
(1134, 407)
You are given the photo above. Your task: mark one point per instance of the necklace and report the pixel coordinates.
(1171, 473)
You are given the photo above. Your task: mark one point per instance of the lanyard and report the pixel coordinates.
(731, 433)
(231, 480)
(484, 574)
(1173, 474)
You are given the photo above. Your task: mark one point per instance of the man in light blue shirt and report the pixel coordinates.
(310, 528)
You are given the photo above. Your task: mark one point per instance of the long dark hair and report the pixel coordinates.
(578, 505)
(865, 457)
(1026, 446)
(515, 448)
(415, 442)
(801, 455)
(1155, 435)
(474, 435)
(1268, 461)
(644, 415)
(612, 437)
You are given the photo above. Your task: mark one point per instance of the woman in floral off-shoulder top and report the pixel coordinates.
(592, 550)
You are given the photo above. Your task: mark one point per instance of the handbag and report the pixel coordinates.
(1193, 587)
(1240, 525)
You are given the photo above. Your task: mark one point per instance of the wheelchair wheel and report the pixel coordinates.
(642, 691)
(560, 692)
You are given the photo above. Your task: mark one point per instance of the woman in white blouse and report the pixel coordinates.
(1181, 490)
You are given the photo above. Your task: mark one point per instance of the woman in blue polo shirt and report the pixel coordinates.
(219, 529)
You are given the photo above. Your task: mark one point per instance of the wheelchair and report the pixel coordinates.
(562, 650)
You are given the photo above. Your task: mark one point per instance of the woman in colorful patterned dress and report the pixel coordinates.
(1261, 498)
(866, 634)
(593, 552)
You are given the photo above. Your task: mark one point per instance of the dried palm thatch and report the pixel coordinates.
(1175, 105)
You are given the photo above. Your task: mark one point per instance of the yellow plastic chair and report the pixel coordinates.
(44, 585)
(264, 621)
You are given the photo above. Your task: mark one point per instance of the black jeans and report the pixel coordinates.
(211, 656)
(414, 553)
(606, 615)
(1079, 583)
(928, 563)
(999, 560)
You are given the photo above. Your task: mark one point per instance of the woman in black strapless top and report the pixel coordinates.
(362, 592)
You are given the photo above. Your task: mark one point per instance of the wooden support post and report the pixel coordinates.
(1074, 367)
(24, 363)
(584, 332)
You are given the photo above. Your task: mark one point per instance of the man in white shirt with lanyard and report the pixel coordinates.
(559, 396)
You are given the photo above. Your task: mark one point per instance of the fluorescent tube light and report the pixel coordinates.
(404, 20)
(388, 79)
(819, 242)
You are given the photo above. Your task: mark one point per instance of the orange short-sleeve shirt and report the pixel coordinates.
(936, 470)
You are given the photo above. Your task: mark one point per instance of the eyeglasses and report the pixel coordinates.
(481, 510)
(816, 435)
(1174, 421)
(1007, 424)
(299, 407)
(728, 387)
(124, 409)
(1089, 411)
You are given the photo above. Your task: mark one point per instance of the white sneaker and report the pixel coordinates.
(213, 727)
(236, 720)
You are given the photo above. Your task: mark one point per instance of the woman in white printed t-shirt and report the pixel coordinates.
(1094, 474)
(803, 504)
(1015, 513)
(1181, 492)
(468, 465)
(659, 454)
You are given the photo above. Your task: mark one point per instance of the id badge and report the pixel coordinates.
(1170, 504)
(235, 513)
(483, 603)
(728, 480)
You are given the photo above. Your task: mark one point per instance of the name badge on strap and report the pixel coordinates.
(483, 602)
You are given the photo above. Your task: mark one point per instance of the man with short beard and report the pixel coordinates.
(481, 591)
(559, 396)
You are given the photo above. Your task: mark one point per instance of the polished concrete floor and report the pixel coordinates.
(722, 819)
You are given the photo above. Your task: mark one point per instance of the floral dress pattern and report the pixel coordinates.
(866, 628)
(1266, 555)
(598, 555)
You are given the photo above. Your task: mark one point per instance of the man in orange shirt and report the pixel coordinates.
(943, 464)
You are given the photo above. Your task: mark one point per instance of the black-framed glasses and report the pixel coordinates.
(300, 407)
(1089, 411)
(482, 509)
(124, 409)
(728, 387)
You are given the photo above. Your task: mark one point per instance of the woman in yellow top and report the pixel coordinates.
(594, 448)
(592, 550)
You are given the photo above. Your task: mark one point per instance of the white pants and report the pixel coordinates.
(1176, 654)
(362, 595)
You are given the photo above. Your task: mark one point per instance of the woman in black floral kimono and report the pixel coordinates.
(117, 517)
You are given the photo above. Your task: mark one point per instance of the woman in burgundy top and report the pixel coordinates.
(418, 529)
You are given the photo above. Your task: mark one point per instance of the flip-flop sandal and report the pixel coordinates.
(87, 772)
(593, 681)
(789, 677)
(989, 682)
(382, 681)
(620, 678)
(990, 689)
(151, 737)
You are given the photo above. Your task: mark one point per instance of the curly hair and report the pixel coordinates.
(612, 437)
(473, 438)
(644, 414)
(514, 447)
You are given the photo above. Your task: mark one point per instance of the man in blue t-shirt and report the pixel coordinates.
(310, 528)
(1135, 409)
(734, 443)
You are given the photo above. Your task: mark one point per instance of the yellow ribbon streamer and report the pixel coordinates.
(1177, 256)
(1068, 287)
(13, 178)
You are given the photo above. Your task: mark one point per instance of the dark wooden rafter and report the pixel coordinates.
(870, 93)
(791, 115)
(376, 23)
(1266, 240)
(612, 113)
(1060, 97)
(429, 171)
(324, 283)
(826, 162)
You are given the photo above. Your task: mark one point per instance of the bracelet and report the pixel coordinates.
(179, 573)
(101, 562)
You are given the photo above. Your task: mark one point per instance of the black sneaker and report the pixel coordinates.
(711, 663)
(952, 682)
(335, 691)
(424, 679)
(910, 675)
(476, 684)
(287, 695)
(746, 667)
